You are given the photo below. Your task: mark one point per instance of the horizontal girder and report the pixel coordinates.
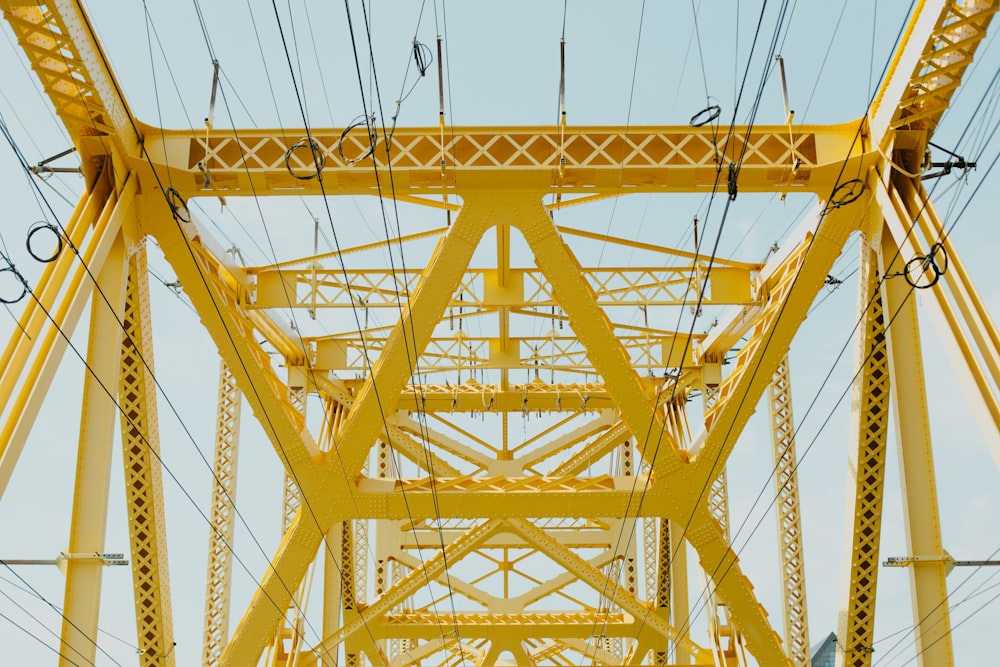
(597, 159)
(384, 288)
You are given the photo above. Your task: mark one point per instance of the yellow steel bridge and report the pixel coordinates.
(496, 450)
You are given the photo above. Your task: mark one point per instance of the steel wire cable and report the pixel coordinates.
(650, 426)
(28, 590)
(146, 443)
(346, 279)
(840, 399)
(414, 361)
(190, 250)
(40, 640)
(687, 523)
(302, 496)
(44, 626)
(673, 390)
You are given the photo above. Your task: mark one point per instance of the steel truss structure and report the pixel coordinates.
(454, 564)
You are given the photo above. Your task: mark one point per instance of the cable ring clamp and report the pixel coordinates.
(178, 207)
(372, 138)
(24, 286)
(706, 115)
(919, 266)
(318, 158)
(849, 196)
(938, 250)
(34, 229)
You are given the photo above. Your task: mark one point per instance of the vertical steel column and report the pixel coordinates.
(143, 475)
(913, 437)
(786, 482)
(88, 525)
(223, 528)
(866, 469)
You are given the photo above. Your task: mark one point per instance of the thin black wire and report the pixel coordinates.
(39, 639)
(156, 175)
(827, 419)
(808, 448)
(701, 295)
(911, 628)
(45, 627)
(628, 122)
(333, 229)
(35, 595)
(209, 466)
(410, 361)
(414, 361)
(843, 166)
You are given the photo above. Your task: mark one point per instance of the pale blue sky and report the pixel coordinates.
(502, 69)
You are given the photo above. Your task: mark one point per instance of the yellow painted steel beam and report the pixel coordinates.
(613, 286)
(922, 521)
(233, 334)
(599, 582)
(360, 429)
(927, 68)
(866, 468)
(674, 563)
(795, 285)
(788, 513)
(291, 497)
(965, 326)
(558, 264)
(579, 625)
(143, 475)
(89, 514)
(457, 352)
(531, 397)
(402, 441)
(222, 529)
(60, 43)
(598, 159)
(411, 583)
(33, 354)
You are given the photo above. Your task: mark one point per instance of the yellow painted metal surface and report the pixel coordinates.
(81, 606)
(223, 525)
(400, 493)
(143, 473)
(789, 516)
(856, 620)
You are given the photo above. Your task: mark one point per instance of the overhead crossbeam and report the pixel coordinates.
(613, 286)
(598, 159)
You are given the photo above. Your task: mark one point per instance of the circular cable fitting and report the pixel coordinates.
(846, 192)
(938, 251)
(20, 281)
(372, 139)
(34, 229)
(922, 272)
(706, 115)
(178, 207)
(318, 159)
